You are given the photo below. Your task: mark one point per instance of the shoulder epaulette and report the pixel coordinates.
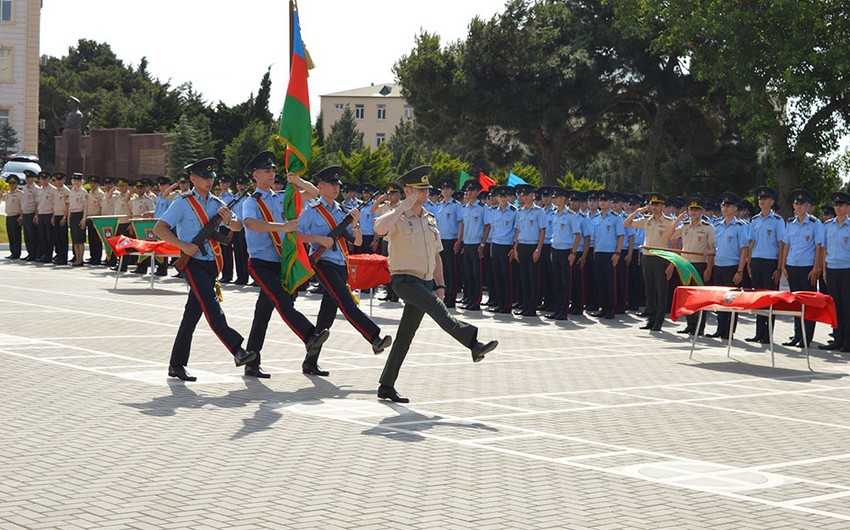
(514, 208)
(186, 193)
(705, 222)
(315, 202)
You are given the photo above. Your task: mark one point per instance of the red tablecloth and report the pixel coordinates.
(123, 244)
(689, 300)
(368, 270)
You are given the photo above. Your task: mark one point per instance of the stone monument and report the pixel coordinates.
(72, 132)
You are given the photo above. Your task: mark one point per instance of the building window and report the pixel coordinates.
(5, 10)
(408, 112)
(359, 112)
(4, 117)
(380, 138)
(6, 65)
(382, 112)
(339, 106)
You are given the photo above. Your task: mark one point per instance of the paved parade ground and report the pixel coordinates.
(579, 424)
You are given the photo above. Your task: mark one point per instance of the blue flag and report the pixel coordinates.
(514, 180)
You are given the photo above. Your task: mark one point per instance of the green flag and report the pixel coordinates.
(106, 226)
(464, 176)
(687, 273)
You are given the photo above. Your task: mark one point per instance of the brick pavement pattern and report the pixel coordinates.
(578, 424)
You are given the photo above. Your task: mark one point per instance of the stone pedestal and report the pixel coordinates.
(70, 160)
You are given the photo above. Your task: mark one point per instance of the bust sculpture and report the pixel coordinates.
(74, 119)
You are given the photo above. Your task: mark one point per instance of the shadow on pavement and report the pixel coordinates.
(766, 372)
(409, 423)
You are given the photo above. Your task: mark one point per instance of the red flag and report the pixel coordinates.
(486, 182)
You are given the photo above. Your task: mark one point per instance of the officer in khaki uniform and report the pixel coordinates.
(76, 217)
(416, 276)
(655, 228)
(698, 247)
(14, 217)
(29, 205)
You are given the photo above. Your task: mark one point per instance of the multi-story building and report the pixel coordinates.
(377, 110)
(20, 21)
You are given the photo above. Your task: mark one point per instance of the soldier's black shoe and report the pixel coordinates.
(314, 343)
(648, 325)
(480, 350)
(642, 314)
(689, 331)
(753, 339)
(792, 342)
(29, 258)
(388, 392)
(597, 314)
(241, 356)
(380, 344)
(656, 327)
(313, 369)
(181, 373)
(831, 345)
(256, 371)
(474, 307)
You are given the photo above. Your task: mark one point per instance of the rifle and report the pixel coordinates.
(209, 231)
(340, 230)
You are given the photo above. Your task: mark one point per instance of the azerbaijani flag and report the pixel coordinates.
(297, 133)
(486, 182)
(687, 273)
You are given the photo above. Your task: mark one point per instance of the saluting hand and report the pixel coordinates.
(407, 203)
(380, 198)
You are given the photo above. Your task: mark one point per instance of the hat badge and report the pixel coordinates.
(654, 198)
(209, 167)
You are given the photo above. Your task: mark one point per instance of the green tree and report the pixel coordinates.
(254, 138)
(8, 141)
(780, 64)
(344, 138)
(446, 166)
(183, 148)
(367, 165)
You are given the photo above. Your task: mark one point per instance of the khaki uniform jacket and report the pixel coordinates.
(77, 199)
(142, 203)
(13, 202)
(655, 230)
(414, 242)
(46, 197)
(94, 203)
(29, 203)
(697, 237)
(60, 200)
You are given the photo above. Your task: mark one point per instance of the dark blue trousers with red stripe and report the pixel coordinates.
(272, 296)
(606, 282)
(336, 295)
(200, 275)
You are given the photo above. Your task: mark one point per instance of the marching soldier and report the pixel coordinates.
(698, 246)
(14, 219)
(416, 274)
(264, 222)
(318, 219)
(187, 215)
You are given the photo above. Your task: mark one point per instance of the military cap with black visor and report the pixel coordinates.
(418, 178)
(203, 168)
(330, 174)
(802, 196)
(765, 192)
(840, 197)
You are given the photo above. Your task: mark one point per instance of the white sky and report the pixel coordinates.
(225, 47)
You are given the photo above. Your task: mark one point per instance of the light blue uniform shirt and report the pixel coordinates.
(488, 211)
(802, 239)
(311, 222)
(640, 233)
(593, 220)
(730, 239)
(565, 226)
(503, 225)
(547, 214)
(837, 243)
(261, 244)
(586, 230)
(629, 231)
(529, 223)
(161, 206)
(608, 228)
(227, 196)
(767, 232)
(473, 223)
(367, 219)
(182, 217)
(431, 207)
(449, 215)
